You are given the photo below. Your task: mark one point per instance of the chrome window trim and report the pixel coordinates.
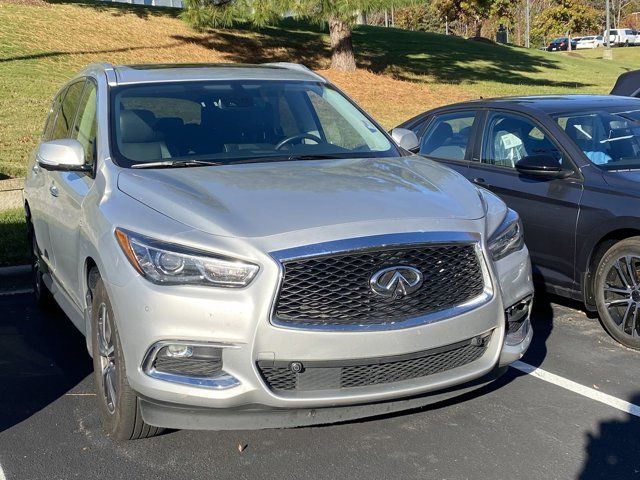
(221, 381)
(377, 242)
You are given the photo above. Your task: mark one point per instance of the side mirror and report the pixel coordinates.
(542, 166)
(405, 138)
(65, 155)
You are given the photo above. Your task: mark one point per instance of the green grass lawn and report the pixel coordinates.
(13, 238)
(400, 73)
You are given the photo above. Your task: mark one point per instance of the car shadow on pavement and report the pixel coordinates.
(613, 451)
(43, 357)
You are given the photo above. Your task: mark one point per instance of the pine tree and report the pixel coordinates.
(339, 15)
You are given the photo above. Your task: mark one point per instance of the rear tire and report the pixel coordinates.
(617, 291)
(42, 294)
(118, 404)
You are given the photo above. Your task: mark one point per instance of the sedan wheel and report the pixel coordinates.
(618, 292)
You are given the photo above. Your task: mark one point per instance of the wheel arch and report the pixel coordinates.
(597, 251)
(91, 273)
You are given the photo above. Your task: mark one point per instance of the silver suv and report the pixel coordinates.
(243, 247)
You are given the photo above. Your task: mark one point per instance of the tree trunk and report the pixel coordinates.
(478, 29)
(342, 57)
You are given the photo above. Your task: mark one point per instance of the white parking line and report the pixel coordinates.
(575, 387)
(2, 477)
(16, 292)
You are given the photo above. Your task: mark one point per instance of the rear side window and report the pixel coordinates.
(67, 113)
(448, 136)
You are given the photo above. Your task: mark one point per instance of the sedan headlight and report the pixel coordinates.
(170, 264)
(508, 237)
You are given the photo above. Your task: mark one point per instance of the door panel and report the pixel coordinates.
(67, 191)
(38, 183)
(548, 208)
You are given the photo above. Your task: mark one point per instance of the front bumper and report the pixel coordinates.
(255, 418)
(148, 314)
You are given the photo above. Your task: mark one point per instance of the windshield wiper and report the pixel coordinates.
(175, 164)
(319, 156)
(285, 158)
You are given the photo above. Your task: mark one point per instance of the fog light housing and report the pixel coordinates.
(190, 363)
(517, 318)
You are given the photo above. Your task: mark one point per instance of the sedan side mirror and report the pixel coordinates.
(406, 139)
(542, 166)
(65, 155)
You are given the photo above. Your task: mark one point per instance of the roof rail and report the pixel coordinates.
(296, 66)
(106, 67)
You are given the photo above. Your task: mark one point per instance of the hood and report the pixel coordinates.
(261, 199)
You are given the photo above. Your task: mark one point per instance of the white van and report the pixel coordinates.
(623, 37)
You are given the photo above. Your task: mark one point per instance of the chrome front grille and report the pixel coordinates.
(334, 289)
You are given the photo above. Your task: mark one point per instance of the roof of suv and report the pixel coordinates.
(154, 73)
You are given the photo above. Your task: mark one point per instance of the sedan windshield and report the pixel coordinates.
(191, 123)
(609, 140)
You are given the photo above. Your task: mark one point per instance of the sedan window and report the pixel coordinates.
(447, 136)
(609, 140)
(509, 138)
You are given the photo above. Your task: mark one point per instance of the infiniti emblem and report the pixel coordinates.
(396, 282)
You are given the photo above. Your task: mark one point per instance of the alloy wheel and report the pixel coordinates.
(622, 294)
(107, 357)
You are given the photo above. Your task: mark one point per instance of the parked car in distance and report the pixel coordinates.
(561, 44)
(244, 247)
(627, 84)
(570, 166)
(592, 41)
(622, 37)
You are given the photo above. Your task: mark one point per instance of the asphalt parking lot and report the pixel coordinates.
(522, 426)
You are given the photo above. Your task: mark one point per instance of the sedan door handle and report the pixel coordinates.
(53, 190)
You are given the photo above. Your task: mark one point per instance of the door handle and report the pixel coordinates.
(53, 190)
(479, 181)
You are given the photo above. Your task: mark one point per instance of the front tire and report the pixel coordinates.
(118, 404)
(42, 294)
(617, 290)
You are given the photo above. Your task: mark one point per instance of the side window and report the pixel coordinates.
(509, 138)
(448, 135)
(67, 113)
(51, 118)
(84, 128)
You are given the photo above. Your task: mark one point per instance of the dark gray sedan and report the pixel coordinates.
(570, 165)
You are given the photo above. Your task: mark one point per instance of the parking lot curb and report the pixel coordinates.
(15, 270)
(15, 279)
(15, 275)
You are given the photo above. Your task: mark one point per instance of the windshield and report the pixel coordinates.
(609, 140)
(227, 121)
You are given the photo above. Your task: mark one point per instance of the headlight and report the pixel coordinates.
(169, 264)
(507, 238)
